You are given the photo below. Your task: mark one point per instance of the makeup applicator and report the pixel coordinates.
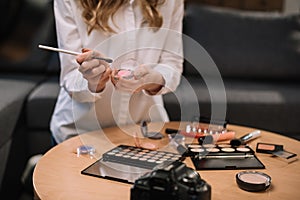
(245, 138)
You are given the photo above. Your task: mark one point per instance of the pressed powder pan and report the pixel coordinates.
(253, 181)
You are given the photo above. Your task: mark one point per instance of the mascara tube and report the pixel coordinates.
(246, 138)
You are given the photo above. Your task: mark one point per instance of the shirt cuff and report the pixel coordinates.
(79, 91)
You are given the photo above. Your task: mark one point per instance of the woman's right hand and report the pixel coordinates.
(95, 71)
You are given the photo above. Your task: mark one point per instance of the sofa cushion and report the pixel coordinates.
(13, 89)
(41, 102)
(4, 153)
(39, 141)
(246, 44)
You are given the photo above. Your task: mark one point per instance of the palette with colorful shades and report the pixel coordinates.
(219, 149)
(139, 157)
(223, 156)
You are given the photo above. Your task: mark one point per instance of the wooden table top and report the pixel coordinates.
(57, 175)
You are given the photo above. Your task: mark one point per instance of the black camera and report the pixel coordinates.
(169, 181)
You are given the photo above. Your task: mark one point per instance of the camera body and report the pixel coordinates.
(169, 181)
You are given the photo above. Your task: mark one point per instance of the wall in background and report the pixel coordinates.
(291, 6)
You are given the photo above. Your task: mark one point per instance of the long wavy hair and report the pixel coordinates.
(97, 13)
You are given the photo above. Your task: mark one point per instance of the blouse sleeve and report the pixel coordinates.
(68, 37)
(171, 59)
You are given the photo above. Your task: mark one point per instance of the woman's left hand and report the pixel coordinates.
(144, 78)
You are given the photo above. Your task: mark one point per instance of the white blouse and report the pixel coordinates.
(78, 110)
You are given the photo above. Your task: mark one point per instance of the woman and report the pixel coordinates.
(140, 33)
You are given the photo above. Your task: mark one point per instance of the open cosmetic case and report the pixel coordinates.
(223, 157)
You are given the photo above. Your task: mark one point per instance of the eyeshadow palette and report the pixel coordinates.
(127, 163)
(139, 157)
(223, 156)
(114, 171)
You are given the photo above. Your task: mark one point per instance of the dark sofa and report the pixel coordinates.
(257, 55)
(23, 69)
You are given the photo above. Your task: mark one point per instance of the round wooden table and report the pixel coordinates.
(57, 175)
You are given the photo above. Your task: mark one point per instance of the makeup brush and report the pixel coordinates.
(108, 60)
(245, 138)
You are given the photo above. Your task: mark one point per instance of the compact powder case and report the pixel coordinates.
(85, 149)
(124, 73)
(253, 181)
(276, 150)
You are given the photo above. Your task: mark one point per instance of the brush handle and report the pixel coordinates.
(108, 60)
(245, 138)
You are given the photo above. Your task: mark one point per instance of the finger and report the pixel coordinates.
(86, 55)
(114, 78)
(106, 75)
(83, 50)
(89, 65)
(99, 80)
(107, 72)
(95, 72)
(140, 72)
(104, 78)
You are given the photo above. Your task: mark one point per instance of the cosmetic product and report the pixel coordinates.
(268, 148)
(139, 157)
(114, 171)
(125, 69)
(246, 138)
(253, 181)
(124, 73)
(206, 125)
(108, 60)
(144, 145)
(151, 135)
(212, 126)
(208, 139)
(276, 150)
(223, 157)
(226, 135)
(181, 149)
(177, 141)
(126, 163)
(85, 149)
(231, 157)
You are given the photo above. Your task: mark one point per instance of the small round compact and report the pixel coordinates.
(253, 181)
(85, 149)
(124, 73)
